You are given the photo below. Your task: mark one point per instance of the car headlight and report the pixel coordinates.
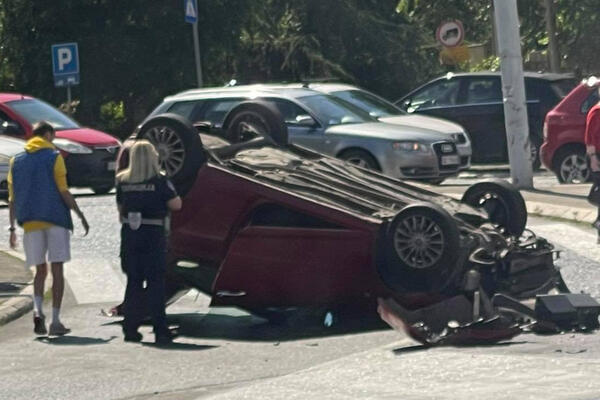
(70, 146)
(411, 147)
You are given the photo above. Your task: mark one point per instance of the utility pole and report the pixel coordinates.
(197, 54)
(513, 91)
(553, 53)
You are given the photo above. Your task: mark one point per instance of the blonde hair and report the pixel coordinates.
(143, 163)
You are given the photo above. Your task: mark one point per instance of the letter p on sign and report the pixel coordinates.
(64, 58)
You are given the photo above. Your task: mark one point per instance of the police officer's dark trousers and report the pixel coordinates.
(143, 258)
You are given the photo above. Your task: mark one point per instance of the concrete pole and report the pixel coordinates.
(197, 54)
(553, 53)
(513, 91)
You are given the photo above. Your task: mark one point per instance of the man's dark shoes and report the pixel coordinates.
(133, 337)
(39, 325)
(165, 337)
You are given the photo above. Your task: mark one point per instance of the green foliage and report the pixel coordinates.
(112, 116)
(491, 63)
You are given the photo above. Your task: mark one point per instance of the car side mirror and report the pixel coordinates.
(11, 128)
(305, 120)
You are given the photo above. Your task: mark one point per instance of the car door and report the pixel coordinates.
(481, 112)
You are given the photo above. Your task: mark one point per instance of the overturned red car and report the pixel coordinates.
(267, 226)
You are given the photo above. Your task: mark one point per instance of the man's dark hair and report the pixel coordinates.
(41, 128)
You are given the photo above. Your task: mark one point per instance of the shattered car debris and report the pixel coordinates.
(268, 226)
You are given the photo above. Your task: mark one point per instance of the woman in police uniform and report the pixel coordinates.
(144, 199)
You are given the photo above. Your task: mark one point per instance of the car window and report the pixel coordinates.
(334, 111)
(184, 108)
(34, 111)
(215, 111)
(440, 93)
(590, 101)
(375, 106)
(564, 87)
(483, 90)
(288, 109)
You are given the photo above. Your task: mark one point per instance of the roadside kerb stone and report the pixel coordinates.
(20, 303)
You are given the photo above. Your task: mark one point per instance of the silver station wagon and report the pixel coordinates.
(332, 126)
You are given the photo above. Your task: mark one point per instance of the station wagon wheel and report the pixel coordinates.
(502, 202)
(422, 247)
(571, 165)
(255, 119)
(178, 145)
(360, 158)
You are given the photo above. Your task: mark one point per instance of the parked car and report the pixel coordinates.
(388, 112)
(332, 126)
(563, 150)
(474, 100)
(89, 154)
(267, 226)
(9, 147)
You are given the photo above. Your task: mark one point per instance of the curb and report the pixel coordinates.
(19, 304)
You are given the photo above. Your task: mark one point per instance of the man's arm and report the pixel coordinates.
(72, 204)
(60, 178)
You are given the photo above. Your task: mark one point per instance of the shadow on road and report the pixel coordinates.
(409, 349)
(251, 328)
(179, 346)
(70, 340)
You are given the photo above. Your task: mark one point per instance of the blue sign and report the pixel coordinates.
(191, 11)
(65, 64)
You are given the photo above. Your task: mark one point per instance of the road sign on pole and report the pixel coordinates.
(65, 64)
(450, 33)
(191, 11)
(191, 16)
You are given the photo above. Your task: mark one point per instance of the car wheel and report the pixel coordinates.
(360, 158)
(502, 202)
(102, 189)
(179, 147)
(422, 245)
(252, 119)
(571, 165)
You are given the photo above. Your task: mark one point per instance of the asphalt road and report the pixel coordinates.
(225, 353)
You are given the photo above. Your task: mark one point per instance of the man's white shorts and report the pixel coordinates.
(51, 245)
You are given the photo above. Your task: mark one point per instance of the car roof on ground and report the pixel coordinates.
(5, 97)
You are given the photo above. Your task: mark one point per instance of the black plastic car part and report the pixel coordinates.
(503, 203)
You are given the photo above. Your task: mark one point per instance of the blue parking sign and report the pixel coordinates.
(65, 64)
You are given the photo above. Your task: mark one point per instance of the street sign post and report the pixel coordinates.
(191, 17)
(450, 33)
(65, 67)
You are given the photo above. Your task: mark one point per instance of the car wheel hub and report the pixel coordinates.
(419, 241)
(170, 148)
(574, 169)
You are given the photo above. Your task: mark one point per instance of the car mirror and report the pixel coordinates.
(305, 120)
(11, 128)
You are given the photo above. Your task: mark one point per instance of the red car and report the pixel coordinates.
(89, 154)
(563, 150)
(268, 226)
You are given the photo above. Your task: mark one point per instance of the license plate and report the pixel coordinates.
(111, 166)
(450, 160)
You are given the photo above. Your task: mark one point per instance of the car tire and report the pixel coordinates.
(102, 189)
(421, 248)
(502, 202)
(179, 147)
(255, 118)
(360, 158)
(571, 165)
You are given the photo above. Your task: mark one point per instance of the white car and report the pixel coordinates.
(387, 112)
(9, 147)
